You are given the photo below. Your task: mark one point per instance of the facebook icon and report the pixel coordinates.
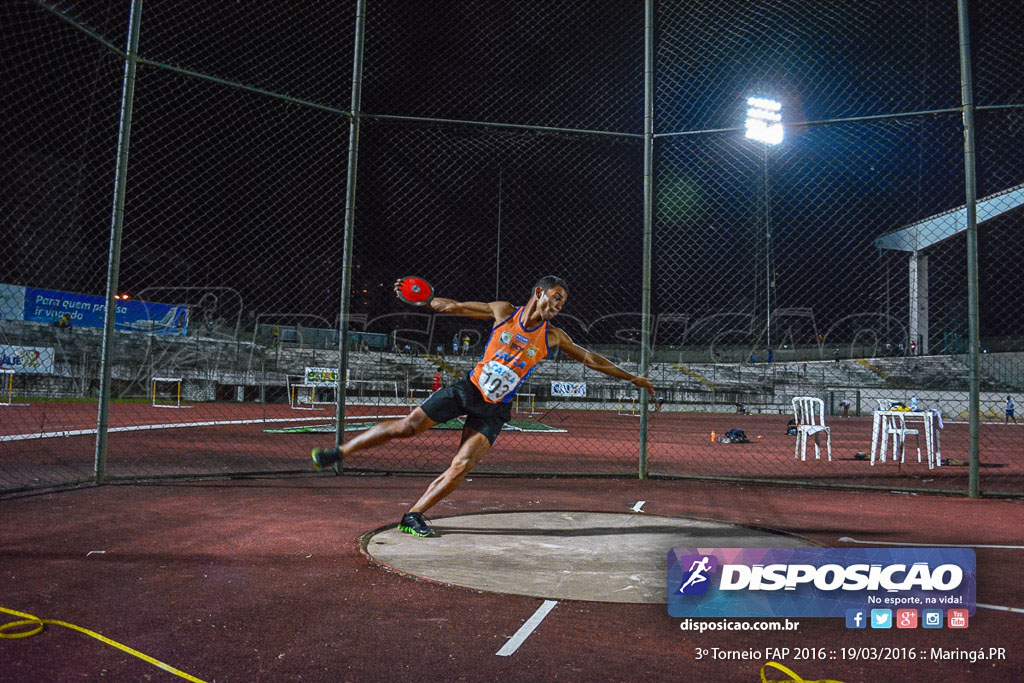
(856, 618)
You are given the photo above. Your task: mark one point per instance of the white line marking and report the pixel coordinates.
(98, 552)
(639, 504)
(1017, 610)
(526, 629)
(847, 539)
(171, 425)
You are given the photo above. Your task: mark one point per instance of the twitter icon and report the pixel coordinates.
(881, 618)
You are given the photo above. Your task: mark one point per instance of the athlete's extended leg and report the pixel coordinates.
(382, 432)
(473, 448)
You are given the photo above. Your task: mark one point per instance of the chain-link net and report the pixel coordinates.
(834, 265)
(61, 96)
(998, 59)
(232, 230)
(556, 64)
(514, 206)
(499, 144)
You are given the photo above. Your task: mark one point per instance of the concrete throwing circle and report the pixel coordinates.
(603, 556)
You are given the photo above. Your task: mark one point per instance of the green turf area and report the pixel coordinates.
(329, 428)
(514, 425)
(531, 426)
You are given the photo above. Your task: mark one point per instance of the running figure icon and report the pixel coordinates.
(697, 570)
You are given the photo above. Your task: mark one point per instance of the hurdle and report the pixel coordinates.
(532, 404)
(167, 380)
(413, 401)
(8, 400)
(379, 393)
(296, 395)
(627, 410)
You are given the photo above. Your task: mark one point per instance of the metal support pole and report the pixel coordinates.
(350, 216)
(971, 193)
(645, 305)
(768, 283)
(116, 226)
(497, 255)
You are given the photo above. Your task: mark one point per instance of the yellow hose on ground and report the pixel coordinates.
(37, 623)
(794, 677)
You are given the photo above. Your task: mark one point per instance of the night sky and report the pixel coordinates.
(231, 190)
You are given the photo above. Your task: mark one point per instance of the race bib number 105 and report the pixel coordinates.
(497, 380)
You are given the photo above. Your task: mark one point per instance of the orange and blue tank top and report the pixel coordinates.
(511, 354)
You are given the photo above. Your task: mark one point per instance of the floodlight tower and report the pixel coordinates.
(764, 124)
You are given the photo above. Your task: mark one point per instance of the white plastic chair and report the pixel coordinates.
(895, 427)
(809, 413)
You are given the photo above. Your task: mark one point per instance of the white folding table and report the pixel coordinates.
(930, 419)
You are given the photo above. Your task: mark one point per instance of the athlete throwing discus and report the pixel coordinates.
(522, 336)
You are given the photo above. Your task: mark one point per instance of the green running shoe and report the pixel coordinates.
(327, 457)
(413, 523)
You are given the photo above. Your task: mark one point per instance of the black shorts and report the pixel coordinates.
(463, 398)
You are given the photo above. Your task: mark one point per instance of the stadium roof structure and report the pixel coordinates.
(942, 226)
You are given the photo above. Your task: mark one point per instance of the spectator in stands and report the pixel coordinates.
(522, 337)
(64, 323)
(835, 354)
(455, 344)
(1009, 411)
(771, 354)
(437, 380)
(465, 345)
(805, 369)
(753, 358)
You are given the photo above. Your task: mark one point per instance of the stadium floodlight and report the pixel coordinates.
(764, 120)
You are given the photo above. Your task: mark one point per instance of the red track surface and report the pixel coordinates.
(262, 580)
(595, 442)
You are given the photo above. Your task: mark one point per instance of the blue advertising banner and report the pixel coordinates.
(86, 310)
(817, 582)
(26, 359)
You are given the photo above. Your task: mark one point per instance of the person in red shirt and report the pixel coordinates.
(521, 337)
(437, 380)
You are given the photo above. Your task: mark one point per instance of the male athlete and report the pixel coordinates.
(520, 339)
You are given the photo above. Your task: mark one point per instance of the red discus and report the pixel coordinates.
(415, 291)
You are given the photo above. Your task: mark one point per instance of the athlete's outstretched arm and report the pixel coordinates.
(494, 310)
(596, 361)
